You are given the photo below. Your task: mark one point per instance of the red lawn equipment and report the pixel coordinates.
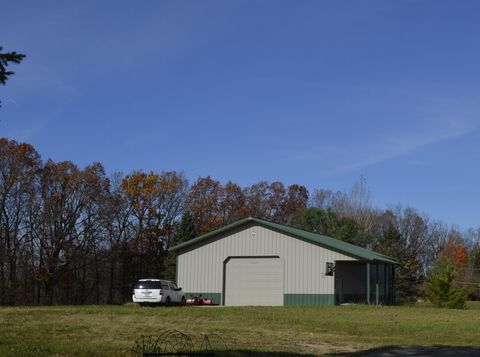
(199, 300)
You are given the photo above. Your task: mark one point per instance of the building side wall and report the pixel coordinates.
(201, 268)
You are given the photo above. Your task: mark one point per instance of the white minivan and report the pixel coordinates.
(157, 291)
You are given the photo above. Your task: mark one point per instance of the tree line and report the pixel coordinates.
(71, 235)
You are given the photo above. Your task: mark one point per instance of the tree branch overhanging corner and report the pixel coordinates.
(7, 58)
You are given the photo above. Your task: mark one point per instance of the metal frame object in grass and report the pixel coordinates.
(177, 343)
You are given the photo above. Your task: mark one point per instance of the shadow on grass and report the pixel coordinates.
(415, 351)
(389, 351)
(244, 353)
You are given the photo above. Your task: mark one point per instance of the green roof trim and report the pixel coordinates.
(329, 242)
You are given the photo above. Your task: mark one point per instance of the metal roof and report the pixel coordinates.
(329, 242)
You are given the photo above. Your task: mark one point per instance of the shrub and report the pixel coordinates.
(440, 288)
(457, 299)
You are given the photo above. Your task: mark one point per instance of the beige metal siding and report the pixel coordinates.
(254, 282)
(200, 267)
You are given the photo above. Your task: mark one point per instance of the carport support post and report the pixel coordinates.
(393, 284)
(385, 300)
(377, 287)
(368, 283)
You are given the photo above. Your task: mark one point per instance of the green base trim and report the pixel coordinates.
(309, 299)
(216, 297)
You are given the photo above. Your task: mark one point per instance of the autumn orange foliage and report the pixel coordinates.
(456, 252)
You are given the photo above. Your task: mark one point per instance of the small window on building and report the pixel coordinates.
(329, 269)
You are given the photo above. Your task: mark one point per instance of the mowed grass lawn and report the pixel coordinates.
(112, 330)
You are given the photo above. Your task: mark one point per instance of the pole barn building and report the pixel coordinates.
(255, 262)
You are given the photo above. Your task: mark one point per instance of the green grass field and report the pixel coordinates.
(112, 330)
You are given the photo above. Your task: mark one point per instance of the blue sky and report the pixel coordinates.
(318, 93)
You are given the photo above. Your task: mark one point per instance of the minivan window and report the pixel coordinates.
(148, 285)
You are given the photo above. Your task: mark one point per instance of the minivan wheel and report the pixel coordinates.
(184, 301)
(167, 301)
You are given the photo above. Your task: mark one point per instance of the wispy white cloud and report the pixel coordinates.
(15, 103)
(439, 120)
(404, 143)
(27, 134)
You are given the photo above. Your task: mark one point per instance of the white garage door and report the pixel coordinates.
(254, 281)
